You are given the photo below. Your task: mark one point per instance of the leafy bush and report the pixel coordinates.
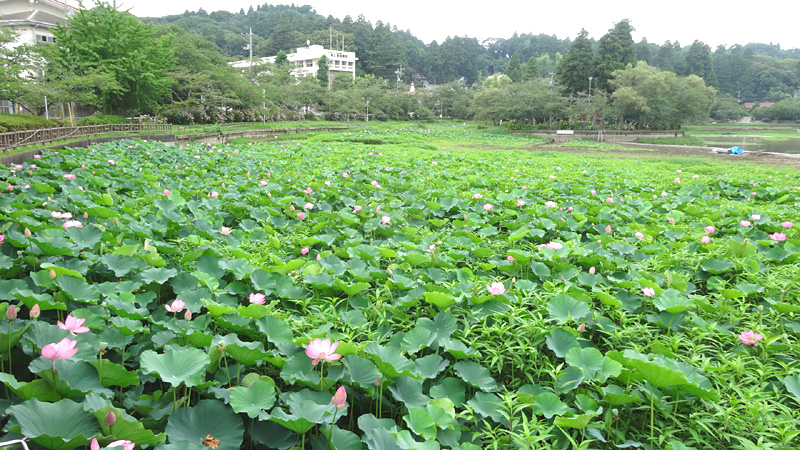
(18, 122)
(103, 119)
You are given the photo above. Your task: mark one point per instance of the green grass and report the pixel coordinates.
(685, 140)
(603, 147)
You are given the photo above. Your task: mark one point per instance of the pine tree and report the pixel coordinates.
(615, 51)
(577, 65)
(531, 70)
(514, 71)
(322, 71)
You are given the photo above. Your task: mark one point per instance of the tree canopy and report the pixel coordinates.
(109, 58)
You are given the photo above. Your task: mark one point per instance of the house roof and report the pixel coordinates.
(33, 16)
(751, 105)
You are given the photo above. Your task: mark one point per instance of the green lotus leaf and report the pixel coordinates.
(186, 366)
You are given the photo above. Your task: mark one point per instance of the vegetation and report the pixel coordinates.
(19, 122)
(369, 290)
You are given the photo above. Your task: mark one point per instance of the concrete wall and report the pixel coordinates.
(599, 135)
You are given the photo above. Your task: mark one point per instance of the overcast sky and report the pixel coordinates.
(711, 21)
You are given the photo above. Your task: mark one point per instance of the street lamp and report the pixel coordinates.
(590, 89)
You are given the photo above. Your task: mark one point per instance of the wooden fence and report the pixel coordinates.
(14, 139)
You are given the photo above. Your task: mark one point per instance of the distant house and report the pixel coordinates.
(304, 61)
(31, 21)
(751, 105)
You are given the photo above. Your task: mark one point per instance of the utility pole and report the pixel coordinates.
(250, 47)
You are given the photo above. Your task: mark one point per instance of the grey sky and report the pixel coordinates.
(713, 22)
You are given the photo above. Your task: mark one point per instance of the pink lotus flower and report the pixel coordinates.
(553, 245)
(37, 156)
(745, 223)
(550, 204)
(608, 228)
(291, 208)
(592, 270)
(94, 445)
(648, 292)
(225, 231)
(308, 205)
(262, 183)
(2, 238)
(308, 191)
(110, 419)
(570, 209)
(787, 225)
(112, 162)
(356, 208)
(710, 229)
(69, 176)
(176, 306)
(301, 215)
(166, 192)
(385, 219)
(319, 350)
(520, 203)
(340, 398)
(639, 235)
(677, 180)
(73, 325)
(126, 445)
(705, 239)
(671, 220)
(750, 338)
(496, 288)
(610, 200)
(581, 328)
(488, 206)
(187, 314)
(27, 232)
(511, 258)
(214, 194)
(345, 174)
(756, 217)
(477, 196)
(434, 163)
(304, 251)
(258, 298)
(778, 236)
(593, 192)
(64, 349)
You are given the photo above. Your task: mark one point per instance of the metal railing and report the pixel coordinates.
(14, 139)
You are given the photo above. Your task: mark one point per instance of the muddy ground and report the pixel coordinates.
(662, 151)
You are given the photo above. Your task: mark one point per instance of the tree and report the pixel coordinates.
(322, 71)
(514, 70)
(615, 51)
(698, 62)
(650, 98)
(664, 56)
(112, 58)
(12, 83)
(644, 51)
(531, 70)
(577, 65)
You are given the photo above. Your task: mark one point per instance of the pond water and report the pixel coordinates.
(754, 143)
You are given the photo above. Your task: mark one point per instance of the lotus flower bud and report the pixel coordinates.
(11, 312)
(27, 232)
(111, 419)
(52, 274)
(187, 315)
(35, 312)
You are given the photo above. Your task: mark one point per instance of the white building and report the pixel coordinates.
(304, 61)
(31, 21)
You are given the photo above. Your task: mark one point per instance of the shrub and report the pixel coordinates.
(103, 119)
(18, 122)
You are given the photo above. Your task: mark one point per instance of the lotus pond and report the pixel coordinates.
(370, 290)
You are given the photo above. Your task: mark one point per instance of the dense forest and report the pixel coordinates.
(753, 72)
(177, 67)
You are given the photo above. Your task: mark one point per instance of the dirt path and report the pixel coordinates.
(661, 151)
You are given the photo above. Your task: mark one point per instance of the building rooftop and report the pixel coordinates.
(33, 16)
